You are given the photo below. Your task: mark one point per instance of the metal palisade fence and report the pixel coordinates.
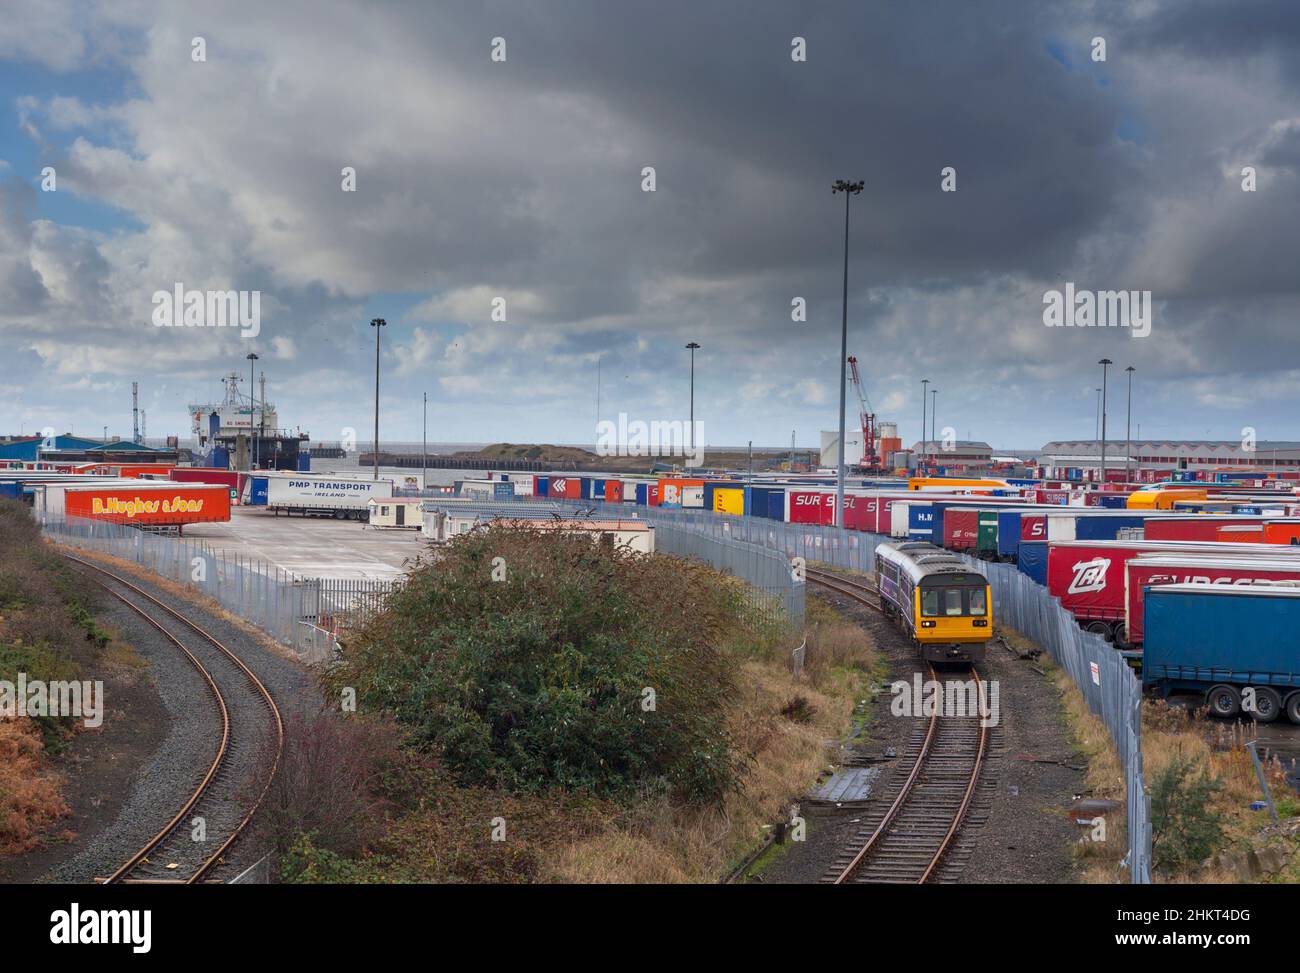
(305, 614)
(1112, 690)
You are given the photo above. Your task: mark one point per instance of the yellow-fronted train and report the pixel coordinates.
(938, 599)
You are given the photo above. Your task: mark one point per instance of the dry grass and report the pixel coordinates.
(1167, 732)
(662, 844)
(30, 799)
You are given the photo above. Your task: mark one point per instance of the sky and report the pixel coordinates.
(500, 154)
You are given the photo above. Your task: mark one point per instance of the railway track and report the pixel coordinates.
(907, 835)
(219, 807)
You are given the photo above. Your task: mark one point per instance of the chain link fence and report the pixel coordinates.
(305, 614)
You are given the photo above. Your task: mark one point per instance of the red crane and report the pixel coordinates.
(867, 418)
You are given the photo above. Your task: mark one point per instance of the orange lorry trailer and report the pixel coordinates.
(153, 505)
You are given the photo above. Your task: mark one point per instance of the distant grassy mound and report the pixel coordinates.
(532, 661)
(545, 453)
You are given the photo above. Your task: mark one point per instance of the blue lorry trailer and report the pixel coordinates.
(1237, 645)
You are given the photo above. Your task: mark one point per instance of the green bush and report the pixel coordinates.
(1184, 830)
(538, 681)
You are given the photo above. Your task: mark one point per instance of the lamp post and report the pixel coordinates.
(1128, 426)
(1105, 363)
(690, 435)
(252, 405)
(934, 408)
(925, 403)
(377, 324)
(424, 446)
(849, 189)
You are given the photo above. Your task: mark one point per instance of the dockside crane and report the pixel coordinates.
(870, 462)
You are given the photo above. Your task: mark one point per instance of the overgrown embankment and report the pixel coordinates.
(533, 707)
(47, 632)
(1201, 783)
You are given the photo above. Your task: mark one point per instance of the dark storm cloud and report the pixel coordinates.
(746, 142)
(522, 179)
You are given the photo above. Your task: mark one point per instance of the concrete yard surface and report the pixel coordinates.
(313, 547)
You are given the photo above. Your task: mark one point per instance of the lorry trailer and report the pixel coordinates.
(322, 496)
(1238, 646)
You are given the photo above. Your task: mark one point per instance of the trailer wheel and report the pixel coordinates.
(1224, 701)
(1101, 628)
(1293, 708)
(1121, 636)
(1267, 706)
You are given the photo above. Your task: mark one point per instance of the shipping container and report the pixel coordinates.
(174, 505)
(1194, 528)
(1095, 525)
(613, 491)
(1240, 534)
(808, 507)
(960, 530)
(1149, 570)
(1031, 559)
(1284, 532)
(729, 500)
(986, 543)
(1009, 534)
(776, 504)
(920, 521)
(564, 488)
(671, 491)
(541, 486)
(756, 501)
(1235, 645)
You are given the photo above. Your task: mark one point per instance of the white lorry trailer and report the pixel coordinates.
(342, 498)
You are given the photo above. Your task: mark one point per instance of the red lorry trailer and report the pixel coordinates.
(1088, 576)
(151, 504)
(1196, 527)
(1149, 570)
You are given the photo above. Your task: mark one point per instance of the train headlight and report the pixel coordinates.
(927, 624)
(981, 623)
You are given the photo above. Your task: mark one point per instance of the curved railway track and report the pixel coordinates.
(906, 839)
(245, 715)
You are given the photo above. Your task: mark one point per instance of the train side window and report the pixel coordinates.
(952, 601)
(929, 601)
(977, 606)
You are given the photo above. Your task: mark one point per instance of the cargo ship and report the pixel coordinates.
(242, 432)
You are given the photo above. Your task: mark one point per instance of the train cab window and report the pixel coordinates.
(977, 606)
(929, 601)
(952, 601)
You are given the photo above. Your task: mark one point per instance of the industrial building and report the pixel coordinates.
(961, 452)
(75, 449)
(1164, 454)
